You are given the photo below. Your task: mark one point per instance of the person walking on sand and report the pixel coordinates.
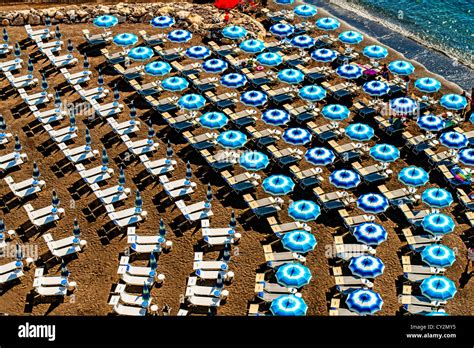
(407, 84)
(385, 73)
(469, 110)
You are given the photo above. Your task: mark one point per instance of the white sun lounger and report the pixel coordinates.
(94, 175)
(129, 310)
(122, 128)
(61, 135)
(76, 78)
(22, 81)
(11, 65)
(274, 288)
(91, 94)
(210, 265)
(49, 46)
(222, 240)
(194, 211)
(110, 195)
(48, 116)
(34, 99)
(61, 61)
(51, 290)
(77, 154)
(24, 188)
(218, 232)
(42, 216)
(140, 271)
(208, 291)
(157, 167)
(9, 161)
(128, 299)
(204, 301)
(126, 217)
(137, 280)
(38, 34)
(139, 147)
(176, 188)
(209, 275)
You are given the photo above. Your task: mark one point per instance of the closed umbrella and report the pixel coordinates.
(138, 201)
(121, 179)
(36, 174)
(105, 160)
(55, 202)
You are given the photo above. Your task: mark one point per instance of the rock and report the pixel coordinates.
(183, 14)
(146, 18)
(164, 11)
(59, 16)
(5, 22)
(121, 18)
(195, 19)
(71, 14)
(138, 11)
(51, 12)
(124, 11)
(34, 19)
(82, 13)
(19, 20)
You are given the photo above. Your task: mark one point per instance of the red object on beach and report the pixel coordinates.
(226, 4)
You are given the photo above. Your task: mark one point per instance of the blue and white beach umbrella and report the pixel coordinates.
(174, 84)
(76, 230)
(70, 46)
(85, 63)
(438, 288)
(88, 139)
(453, 140)
(413, 176)
(105, 160)
(373, 203)
(232, 139)
(198, 52)
(453, 102)
(335, 112)
(328, 23)
(312, 93)
(375, 52)
(351, 37)
(297, 136)
(17, 50)
(299, 241)
(345, 179)
(121, 179)
(105, 21)
(278, 185)
(36, 174)
(214, 65)
(5, 35)
(364, 301)
(179, 36)
(431, 123)
(437, 197)
(162, 22)
(276, 117)
(359, 132)
(376, 88)
(366, 266)
(233, 80)
(252, 46)
(288, 305)
(234, 32)
(44, 82)
(324, 55)
(138, 201)
(303, 41)
(349, 71)
(466, 156)
(17, 146)
(293, 275)
(370, 233)
(269, 59)
(401, 67)
(125, 39)
(403, 105)
(305, 11)
(291, 76)
(281, 29)
(319, 156)
(427, 85)
(191, 102)
(213, 120)
(140, 53)
(304, 210)
(438, 255)
(253, 98)
(438, 224)
(55, 202)
(30, 66)
(158, 68)
(254, 160)
(384, 153)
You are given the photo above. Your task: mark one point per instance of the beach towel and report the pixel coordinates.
(460, 176)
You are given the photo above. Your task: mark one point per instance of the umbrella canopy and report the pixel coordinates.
(234, 32)
(453, 140)
(366, 266)
(281, 29)
(233, 80)
(413, 176)
(157, 68)
(303, 41)
(437, 197)
(293, 275)
(298, 241)
(453, 102)
(401, 67)
(312, 93)
(269, 59)
(375, 52)
(278, 185)
(232, 139)
(198, 52)
(438, 255)
(213, 120)
(427, 85)
(384, 153)
(349, 71)
(438, 224)
(297, 136)
(335, 112)
(304, 210)
(372, 203)
(431, 123)
(105, 21)
(162, 22)
(364, 301)
(305, 11)
(328, 23)
(175, 84)
(370, 233)
(291, 76)
(351, 37)
(403, 105)
(376, 88)
(191, 102)
(214, 65)
(438, 288)
(252, 46)
(125, 39)
(140, 53)
(324, 55)
(320, 156)
(359, 132)
(254, 160)
(179, 36)
(253, 98)
(345, 179)
(276, 117)
(466, 156)
(288, 305)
